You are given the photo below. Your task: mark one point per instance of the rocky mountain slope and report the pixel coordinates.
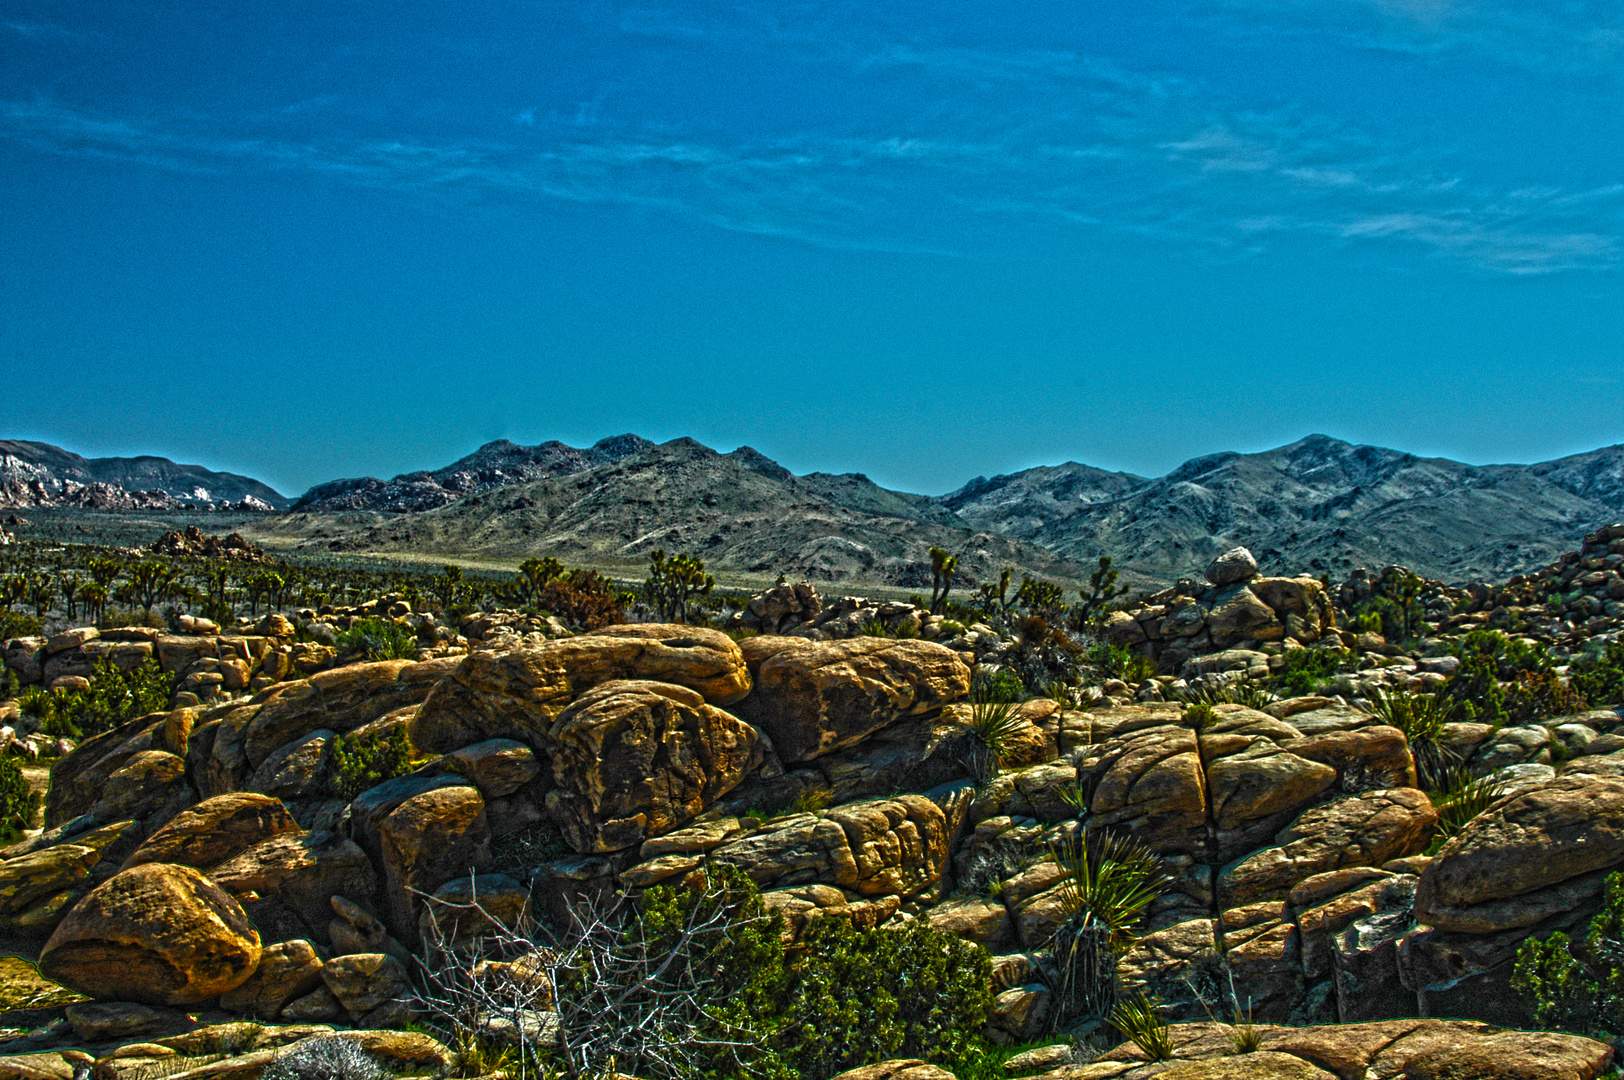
(34, 474)
(739, 511)
(1318, 504)
(494, 465)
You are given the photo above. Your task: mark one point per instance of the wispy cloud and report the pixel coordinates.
(1575, 36)
(1086, 143)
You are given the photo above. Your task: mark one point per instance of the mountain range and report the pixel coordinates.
(1317, 505)
(36, 474)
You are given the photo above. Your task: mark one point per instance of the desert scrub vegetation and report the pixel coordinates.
(1421, 717)
(1578, 986)
(1599, 677)
(113, 697)
(696, 981)
(363, 761)
(1310, 671)
(377, 639)
(18, 802)
(1108, 881)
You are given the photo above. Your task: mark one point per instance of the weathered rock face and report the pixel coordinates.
(1233, 566)
(154, 934)
(427, 840)
(518, 694)
(39, 887)
(287, 970)
(298, 873)
(214, 830)
(815, 697)
(1536, 853)
(340, 700)
(892, 847)
(633, 759)
(1360, 830)
(1392, 1049)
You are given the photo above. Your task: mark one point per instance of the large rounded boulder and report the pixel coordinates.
(518, 694)
(633, 759)
(155, 934)
(814, 697)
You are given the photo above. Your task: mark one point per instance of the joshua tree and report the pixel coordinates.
(151, 582)
(534, 576)
(942, 568)
(41, 594)
(1102, 588)
(94, 596)
(674, 582)
(70, 589)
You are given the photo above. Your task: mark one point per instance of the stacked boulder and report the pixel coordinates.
(1235, 610)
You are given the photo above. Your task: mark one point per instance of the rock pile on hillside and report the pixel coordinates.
(1234, 609)
(194, 544)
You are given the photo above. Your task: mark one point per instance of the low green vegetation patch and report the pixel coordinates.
(113, 697)
(377, 639)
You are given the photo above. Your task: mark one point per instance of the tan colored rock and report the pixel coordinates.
(497, 767)
(147, 781)
(341, 700)
(287, 970)
(215, 830)
(813, 697)
(1366, 759)
(1242, 617)
(303, 871)
(634, 759)
(1261, 1065)
(1535, 839)
(52, 1065)
(364, 981)
(975, 918)
(426, 841)
(298, 770)
(154, 934)
(1148, 782)
(881, 847)
(1514, 1055)
(899, 1069)
(518, 694)
(38, 888)
(467, 909)
(1357, 830)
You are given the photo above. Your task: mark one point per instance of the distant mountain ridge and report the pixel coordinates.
(1319, 504)
(739, 511)
(36, 474)
(494, 465)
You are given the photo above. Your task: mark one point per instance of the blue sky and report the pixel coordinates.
(919, 241)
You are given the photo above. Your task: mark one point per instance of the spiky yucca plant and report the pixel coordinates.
(993, 727)
(1139, 1020)
(1421, 717)
(1107, 883)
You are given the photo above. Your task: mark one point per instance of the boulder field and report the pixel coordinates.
(213, 858)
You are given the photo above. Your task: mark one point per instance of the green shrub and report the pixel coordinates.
(1476, 689)
(15, 624)
(1578, 986)
(1239, 692)
(1002, 685)
(377, 639)
(1536, 696)
(1307, 671)
(856, 997)
(113, 697)
(1509, 656)
(361, 763)
(18, 802)
(845, 997)
(1600, 679)
(1121, 662)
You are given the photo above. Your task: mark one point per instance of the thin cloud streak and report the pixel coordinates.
(1100, 147)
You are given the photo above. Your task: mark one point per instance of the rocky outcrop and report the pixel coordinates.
(634, 759)
(518, 694)
(812, 698)
(155, 934)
